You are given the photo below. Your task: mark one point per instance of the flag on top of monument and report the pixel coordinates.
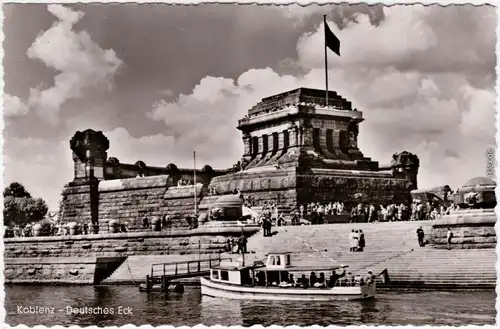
(331, 40)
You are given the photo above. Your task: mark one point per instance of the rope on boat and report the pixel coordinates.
(386, 259)
(311, 247)
(130, 272)
(331, 259)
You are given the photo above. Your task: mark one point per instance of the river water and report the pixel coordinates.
(190, 308)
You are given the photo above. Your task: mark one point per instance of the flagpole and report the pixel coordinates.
(194, 183)
(326, 63)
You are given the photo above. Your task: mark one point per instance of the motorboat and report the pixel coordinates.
(278, 279)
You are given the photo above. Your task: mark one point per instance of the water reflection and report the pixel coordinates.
(190, 308)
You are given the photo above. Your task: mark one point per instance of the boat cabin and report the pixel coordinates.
(277, 270)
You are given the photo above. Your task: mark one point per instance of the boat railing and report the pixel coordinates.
(185, 267)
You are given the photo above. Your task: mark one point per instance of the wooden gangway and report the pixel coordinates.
(164, 273)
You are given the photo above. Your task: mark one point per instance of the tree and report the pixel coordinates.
(16, 190)
(20, 207)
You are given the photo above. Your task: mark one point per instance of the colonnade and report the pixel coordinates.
(333, 144)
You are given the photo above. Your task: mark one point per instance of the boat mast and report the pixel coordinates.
(242, 249)
(194, 185)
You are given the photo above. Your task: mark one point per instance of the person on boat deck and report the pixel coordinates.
(370, 277)
(313, 279)
(349, 279)
(304, 282)
(291, 280)
(335, 277)
(321, 281)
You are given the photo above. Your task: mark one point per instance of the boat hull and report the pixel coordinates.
(215, 289)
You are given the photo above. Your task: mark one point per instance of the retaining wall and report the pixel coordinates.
(87, 259)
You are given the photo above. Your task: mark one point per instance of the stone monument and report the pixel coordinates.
(473, 224)
(297, 150)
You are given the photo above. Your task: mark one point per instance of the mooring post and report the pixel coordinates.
(175, 268)
(163, 283)
(148, 284)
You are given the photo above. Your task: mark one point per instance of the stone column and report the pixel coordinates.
(247, 145)
(260, 145)
(307, 137)
(281, 140)
(293, 136)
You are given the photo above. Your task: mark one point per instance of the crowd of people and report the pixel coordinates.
(314, 280)
(394, 212)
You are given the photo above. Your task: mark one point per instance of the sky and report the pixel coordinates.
(161, 81)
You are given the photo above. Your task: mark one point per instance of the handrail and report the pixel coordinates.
(156, 269)
(188, 261)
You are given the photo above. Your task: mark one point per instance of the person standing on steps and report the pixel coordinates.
(361, 241)
(449, 236)
(420, 235)
(352, 242)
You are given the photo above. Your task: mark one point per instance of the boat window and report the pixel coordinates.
(278, 259)
(272, 260)
(215, 275)
(287, 259)
(224, 275)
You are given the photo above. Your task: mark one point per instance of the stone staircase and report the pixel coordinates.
(391, 246)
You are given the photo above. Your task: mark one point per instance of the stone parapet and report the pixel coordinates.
(471, 228)
(202, 239)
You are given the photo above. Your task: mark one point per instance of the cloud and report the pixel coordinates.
(82, 64)
(444, 113)
(14, 106)
(41, 165)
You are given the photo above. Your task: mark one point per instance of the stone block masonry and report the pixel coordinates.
(88, 259)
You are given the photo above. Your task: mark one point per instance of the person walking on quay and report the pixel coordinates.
(449, 236)
(166, 223)
(145, 222)
(361, 241)
(242, 244)
(420, 235)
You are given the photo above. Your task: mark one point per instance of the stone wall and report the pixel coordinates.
(276, 185)
(76, 203)
(87, 259)
(289, 188)
(204, 240)
(65, 270)
(130, 199)
(329, 186)
(471, 228)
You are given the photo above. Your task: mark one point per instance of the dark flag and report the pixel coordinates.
(331, 40)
